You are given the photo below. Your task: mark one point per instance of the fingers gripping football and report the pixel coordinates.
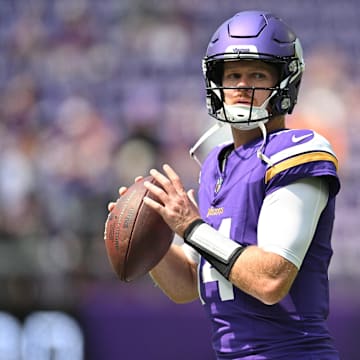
(122, 191)
(175, 206)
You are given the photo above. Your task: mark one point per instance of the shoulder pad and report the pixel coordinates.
(297, 147)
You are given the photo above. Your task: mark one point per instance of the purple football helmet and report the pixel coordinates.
(254, 35)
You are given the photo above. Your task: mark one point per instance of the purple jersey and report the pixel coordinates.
(230, 201)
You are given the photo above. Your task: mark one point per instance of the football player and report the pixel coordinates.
(257, 247)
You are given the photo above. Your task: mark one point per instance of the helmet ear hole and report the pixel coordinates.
(280, 103)
(285, 103)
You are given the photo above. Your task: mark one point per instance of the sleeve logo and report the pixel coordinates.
(297, 139)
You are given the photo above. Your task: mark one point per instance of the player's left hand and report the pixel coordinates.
(176, 206)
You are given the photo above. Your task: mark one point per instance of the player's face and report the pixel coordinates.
(244, 73)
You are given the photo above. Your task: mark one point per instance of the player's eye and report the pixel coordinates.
(232, 78)
(259, 75)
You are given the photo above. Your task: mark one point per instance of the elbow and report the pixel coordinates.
(273, 292)
(271, 299)
(273, 289)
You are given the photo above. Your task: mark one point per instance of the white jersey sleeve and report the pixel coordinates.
(289, 217)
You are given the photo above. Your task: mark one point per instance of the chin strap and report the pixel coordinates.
(260, 154)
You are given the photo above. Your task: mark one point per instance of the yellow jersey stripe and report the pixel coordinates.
(298, 160)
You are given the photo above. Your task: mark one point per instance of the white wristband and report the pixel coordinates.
(210, 240)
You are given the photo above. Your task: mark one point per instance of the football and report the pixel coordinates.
(136, 237)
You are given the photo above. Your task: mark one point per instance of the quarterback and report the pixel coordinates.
(257, 241)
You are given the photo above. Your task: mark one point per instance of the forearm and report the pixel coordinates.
(176, 276)
(263, 275)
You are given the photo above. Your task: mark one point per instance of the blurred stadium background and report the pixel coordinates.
(93, 93)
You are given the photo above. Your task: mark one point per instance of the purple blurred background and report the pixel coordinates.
(93, 93)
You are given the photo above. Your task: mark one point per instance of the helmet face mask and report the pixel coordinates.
(253, 35)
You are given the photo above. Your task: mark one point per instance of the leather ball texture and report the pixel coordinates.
(136, 237)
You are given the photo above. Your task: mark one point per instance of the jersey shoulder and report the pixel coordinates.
(288, 143)
(299, 153)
